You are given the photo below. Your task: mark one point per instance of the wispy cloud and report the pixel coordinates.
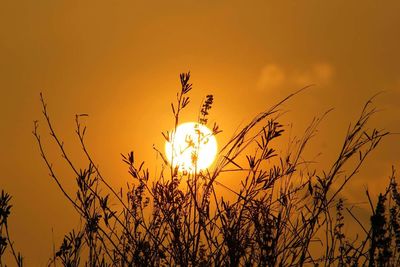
(273, 76)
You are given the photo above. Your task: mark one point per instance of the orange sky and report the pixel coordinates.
(119, 62)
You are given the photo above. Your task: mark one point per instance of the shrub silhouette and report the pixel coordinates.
(5, 239)
(281, 208)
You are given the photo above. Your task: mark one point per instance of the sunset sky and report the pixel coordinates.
(119, 62)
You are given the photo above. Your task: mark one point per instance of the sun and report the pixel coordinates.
(192, 148)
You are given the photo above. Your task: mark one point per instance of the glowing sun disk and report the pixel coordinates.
(193, 147)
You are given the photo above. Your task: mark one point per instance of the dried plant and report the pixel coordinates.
(5, 239)
(282, 207)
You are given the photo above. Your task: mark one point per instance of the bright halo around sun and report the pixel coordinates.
(193, 143)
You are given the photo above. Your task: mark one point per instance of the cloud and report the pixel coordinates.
(273, 76)
(320, 74)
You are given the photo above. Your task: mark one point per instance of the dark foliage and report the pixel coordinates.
(282, 207)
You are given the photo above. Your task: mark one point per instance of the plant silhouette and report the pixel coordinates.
(178, 218)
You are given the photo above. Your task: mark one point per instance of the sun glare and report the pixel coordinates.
(192, 148)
